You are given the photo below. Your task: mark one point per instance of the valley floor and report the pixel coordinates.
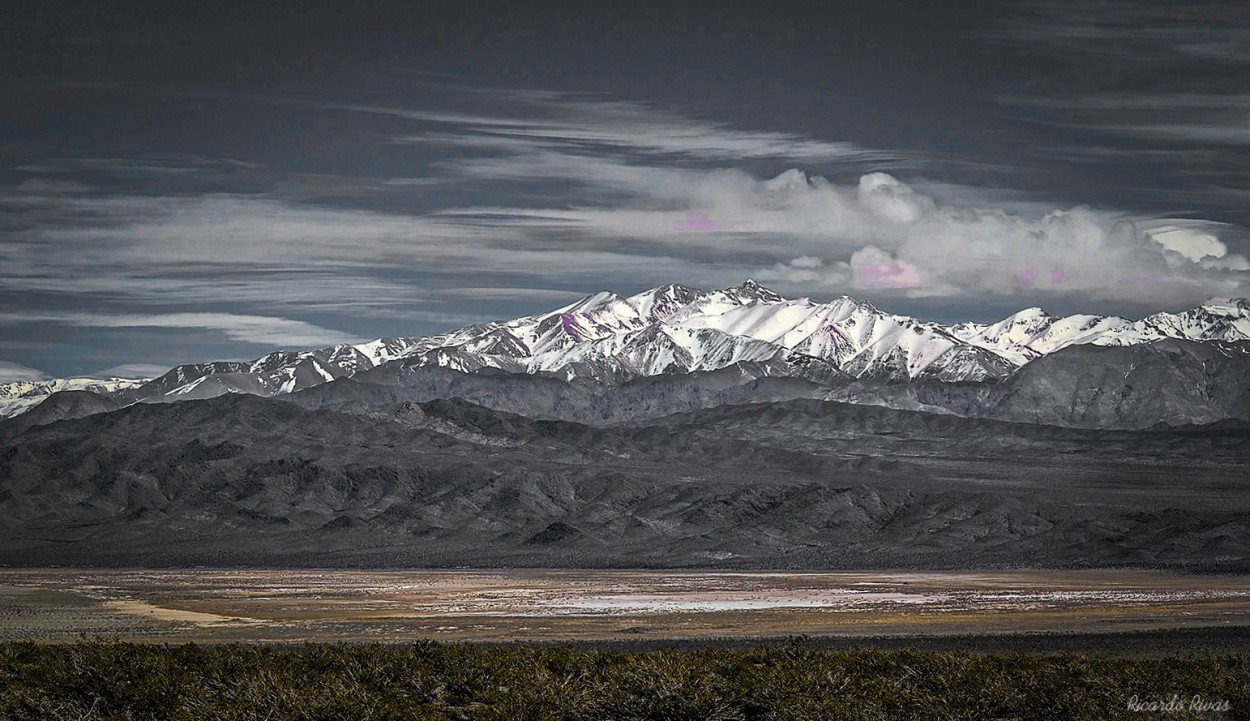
(631, 608)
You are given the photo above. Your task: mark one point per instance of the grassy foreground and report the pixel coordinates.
(104, 680)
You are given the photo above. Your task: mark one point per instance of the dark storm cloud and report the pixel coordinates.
(218, 180)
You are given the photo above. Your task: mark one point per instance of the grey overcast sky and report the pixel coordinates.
(191, 181)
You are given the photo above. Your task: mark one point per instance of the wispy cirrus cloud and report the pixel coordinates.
(879, 236)
(567, 121)
(152, 164)
(1180, 117)
(10, 372)
(132, 370)
(642, 214)
(565, 195)
(473, 293)
(1163, 32)
(262, 257)
(253, 329)
(1149, 71)
(1144, 101)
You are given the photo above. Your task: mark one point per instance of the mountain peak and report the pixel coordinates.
(752, 290)
(659, 303)
(1031, 316)
(674, 290)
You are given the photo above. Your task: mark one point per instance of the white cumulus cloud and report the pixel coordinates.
(1194, 244)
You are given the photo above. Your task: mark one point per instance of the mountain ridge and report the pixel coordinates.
(609, 340)
(251, 481)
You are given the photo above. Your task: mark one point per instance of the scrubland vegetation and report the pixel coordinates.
(427, 680)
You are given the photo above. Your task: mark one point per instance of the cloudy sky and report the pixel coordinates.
(183, 182)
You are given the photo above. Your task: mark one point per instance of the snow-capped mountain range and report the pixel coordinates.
(19, 396)
(608, 339)
(1033, 332)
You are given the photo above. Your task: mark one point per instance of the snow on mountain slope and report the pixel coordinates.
(608, 339)
(273, 374)
(19, 396)
(675, 329)
(1031, 333)
(658, 304)
(1226, 320)
(1009, 337)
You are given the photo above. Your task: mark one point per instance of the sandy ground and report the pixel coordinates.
(218, 605)
(152, 612)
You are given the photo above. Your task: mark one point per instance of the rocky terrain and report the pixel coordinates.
(1173, 382)
(244, 480)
